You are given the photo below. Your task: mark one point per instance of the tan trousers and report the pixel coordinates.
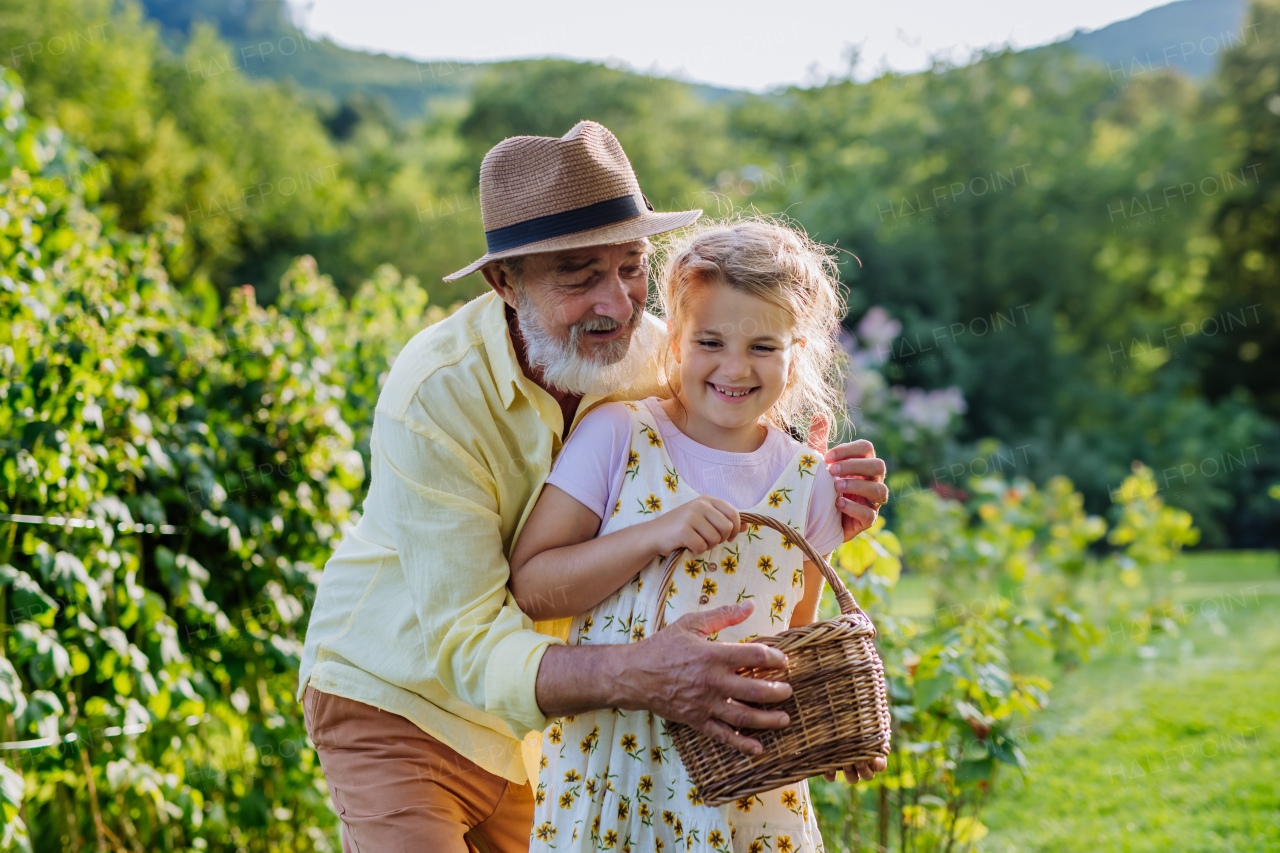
(399, 790)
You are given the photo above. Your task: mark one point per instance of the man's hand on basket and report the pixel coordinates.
(864, 771)
(859, 478)
(689, 680)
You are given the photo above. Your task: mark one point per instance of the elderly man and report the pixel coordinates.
(421, 676)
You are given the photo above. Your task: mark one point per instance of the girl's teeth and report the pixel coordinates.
(729, 393)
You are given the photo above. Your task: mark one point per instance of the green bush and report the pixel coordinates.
(193, 473)
(1017, 594)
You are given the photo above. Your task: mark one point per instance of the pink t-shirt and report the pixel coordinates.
(592, 463)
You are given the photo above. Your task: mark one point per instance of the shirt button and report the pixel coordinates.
(703, 599)
(713, 566)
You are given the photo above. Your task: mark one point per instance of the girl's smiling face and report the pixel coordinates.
(734, 352)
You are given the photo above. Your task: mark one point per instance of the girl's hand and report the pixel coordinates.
(699, 525)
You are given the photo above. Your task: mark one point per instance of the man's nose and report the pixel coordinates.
(612, 299)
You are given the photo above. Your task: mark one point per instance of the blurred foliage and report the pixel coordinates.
(1017, 595)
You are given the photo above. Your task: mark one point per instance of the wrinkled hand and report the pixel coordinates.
(859, 478)
(864, 771)
(687, 679)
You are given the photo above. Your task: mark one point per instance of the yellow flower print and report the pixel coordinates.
(777, 496)
(733, 556)
(671, 479)
(542, 763)
(716, 839)
(591, 787)
(776, 607)
(753, 532)
(617, 506)
(787, 544)
(629, 745)
(759, 845)
(545, 831)
(694, 797)
(708, 586)
(637, 632)
(650, 505)
(766, 567)
(797, 578)
(566, 800)
(585, 628)
(624, 808)
(671, 592)
(806, 464)
(655, 440)
(610, 839)
(713, 636)
(646, 816)
(572, 775)
(791, 801)
(540, 796)
(745, 804)
(630, 405)
(555, 734)
(785, 844)
(633, 464)
(668, 818)
(658, 754)
(645, 785)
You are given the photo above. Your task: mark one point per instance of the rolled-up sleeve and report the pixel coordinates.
(440, 506)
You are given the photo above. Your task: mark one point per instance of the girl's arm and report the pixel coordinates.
(559, 568)
(807, 609)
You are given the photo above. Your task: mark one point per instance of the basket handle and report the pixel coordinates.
(843, 596)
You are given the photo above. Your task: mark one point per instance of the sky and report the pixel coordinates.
(747, 44)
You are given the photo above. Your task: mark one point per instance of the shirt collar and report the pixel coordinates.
(502, 353)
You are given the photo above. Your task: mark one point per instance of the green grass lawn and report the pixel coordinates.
(1168, 745)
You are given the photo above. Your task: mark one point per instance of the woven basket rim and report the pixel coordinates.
(848, 605)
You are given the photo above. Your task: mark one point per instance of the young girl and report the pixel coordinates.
(753, 312)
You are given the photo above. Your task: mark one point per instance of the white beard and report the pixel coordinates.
(617, 366)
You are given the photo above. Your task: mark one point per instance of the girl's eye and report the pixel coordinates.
(765, 349)
(709, 343)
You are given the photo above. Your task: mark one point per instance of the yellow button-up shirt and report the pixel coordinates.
(413, 614)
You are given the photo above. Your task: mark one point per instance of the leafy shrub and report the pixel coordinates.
(1016, 593)
(192, 480)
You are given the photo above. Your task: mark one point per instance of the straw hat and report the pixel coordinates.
(540, 194)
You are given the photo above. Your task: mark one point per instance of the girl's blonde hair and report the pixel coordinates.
(763, 257)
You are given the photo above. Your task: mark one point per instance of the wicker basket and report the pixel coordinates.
(839, 708)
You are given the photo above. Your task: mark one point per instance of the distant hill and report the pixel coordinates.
(1185, 36)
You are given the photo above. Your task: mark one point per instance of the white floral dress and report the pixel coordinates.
(612, 780)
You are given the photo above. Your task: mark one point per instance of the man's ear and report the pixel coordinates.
(500, 280)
